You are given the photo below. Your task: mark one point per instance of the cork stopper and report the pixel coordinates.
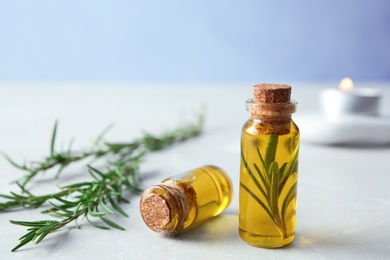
(273, 107)
(164, 208)
(271, 93)
(155, 212)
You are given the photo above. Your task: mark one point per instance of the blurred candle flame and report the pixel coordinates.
(346, 84)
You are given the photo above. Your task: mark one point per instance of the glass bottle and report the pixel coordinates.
(268, 170)
(185, 200)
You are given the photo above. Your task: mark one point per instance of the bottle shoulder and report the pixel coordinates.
(253, 127)
(294, 126)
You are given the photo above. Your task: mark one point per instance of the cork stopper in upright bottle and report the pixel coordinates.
(271, 93)
(272, 105)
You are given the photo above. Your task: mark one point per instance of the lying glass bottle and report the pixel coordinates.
(185, 200)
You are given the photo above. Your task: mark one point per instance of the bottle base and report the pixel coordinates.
(266, 241)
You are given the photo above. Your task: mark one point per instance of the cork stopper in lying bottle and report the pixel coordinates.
(155, 212)
(273, 107)
(164, 208)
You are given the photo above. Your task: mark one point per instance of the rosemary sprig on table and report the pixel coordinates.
(273, 179)
(95, 199)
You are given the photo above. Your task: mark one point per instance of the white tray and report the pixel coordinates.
(315, 127)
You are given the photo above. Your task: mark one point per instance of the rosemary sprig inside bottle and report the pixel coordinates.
(269, 168)
(95, 199)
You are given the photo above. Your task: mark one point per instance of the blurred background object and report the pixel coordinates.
(194, 41)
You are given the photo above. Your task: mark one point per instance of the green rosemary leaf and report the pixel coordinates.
(95, 186)
(94, 224)
(57, 214)
(117, 207)
(274, 188)
(22, 243)
(95, 171)
(93, 213)
(132, 180)
(96, 213)
(271, 150)
(66, 202)
(62, 167)
(265, 169)
(56, 208)
(291, 194)
(76, 185)
(291, 164)
(77, 208)
(102, 134)
(112, 189)
(17, 196)
(274, 195)
(118, 172)
(104, 206)
(93, 175)
(39, 223)
(6, 197)
(282, 169)
(112, 223)
(23, 189)
(250, 173)
(258, 200)
(21, 167)
(282, 175)
(42, 236)
(46, 227)
(134, 189)
(29, 235)
(116, 147)
(69, 150)
(115, 193)
(121, 199)
(263, 179)
(53, 139)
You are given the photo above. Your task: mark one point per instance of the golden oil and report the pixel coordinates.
(187, 199)
(268, 173)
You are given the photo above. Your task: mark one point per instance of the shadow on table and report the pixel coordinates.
(359, 243)
(221, 228)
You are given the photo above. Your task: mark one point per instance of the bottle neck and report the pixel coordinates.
(272, 118)
(164, 208)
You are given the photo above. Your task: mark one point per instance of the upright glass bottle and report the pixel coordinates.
(185, 200)
(268, 170)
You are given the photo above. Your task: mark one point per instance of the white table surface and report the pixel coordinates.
(343, 193)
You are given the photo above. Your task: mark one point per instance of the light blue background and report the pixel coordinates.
(194, 41)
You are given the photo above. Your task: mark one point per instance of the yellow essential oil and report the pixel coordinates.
(268, 170)
(185, 200)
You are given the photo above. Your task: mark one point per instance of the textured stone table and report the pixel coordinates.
(343, 193)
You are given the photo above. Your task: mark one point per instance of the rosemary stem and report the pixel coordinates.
(274, 176)
(95, 199)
